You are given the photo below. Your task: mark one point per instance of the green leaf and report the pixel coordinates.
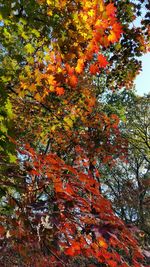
(36, 33)
(8, 107)
(29, 48)
(12, 158)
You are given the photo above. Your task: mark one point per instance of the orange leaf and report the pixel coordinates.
(70, 251)
(71, 169)
(73, 80)
(102, 243)
(83, 177)
(115, 33)
(110, 9)
(76, 245)
(112, 37)
(69, 69)
(80, 66)
(117, 29)
(59, 187)
(60, 91)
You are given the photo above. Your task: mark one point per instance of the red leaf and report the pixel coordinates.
(102, 61)
(117, 29)
(70, 251)
(2, 231)
(69, 190)
(112, 263)
(83, 177)
(94, 69)
(73, 249)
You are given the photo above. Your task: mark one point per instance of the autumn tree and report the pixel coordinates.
(127, 182)
(54, 130)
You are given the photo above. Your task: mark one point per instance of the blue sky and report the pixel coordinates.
(142, 82)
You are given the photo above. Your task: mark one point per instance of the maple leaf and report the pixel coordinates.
(69, 69)
(29, 48)
(110, 9)
(91, 101)
(60, 90)
(68, 121)
(38, 97)
(51, 80)
(75, 35)
(112, 37)
(80, 66)
(115, 32)
(69, 190)
(101, 6)
(2, 231)
(94, 69)
(97, 173)
(73, 80)
(112, 263)
(73, 249)
(117, 28)
(102, 61)
(102, 243)
(59, 186)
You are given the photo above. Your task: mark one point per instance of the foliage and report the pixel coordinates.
(52, 55)
(127, 183)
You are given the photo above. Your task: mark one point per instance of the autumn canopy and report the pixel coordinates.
(59, 58)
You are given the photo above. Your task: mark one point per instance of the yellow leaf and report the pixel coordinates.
(84, 17)
(53, 128)
(49, 2)
(51, 80)
(68, 121)
(101, 6)
(59, 70)
(50, 12)
(32, 87)
(21, 93)
(52, 88)
(29, 48)
(91, 13)
(112, 37)
(37, 97)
